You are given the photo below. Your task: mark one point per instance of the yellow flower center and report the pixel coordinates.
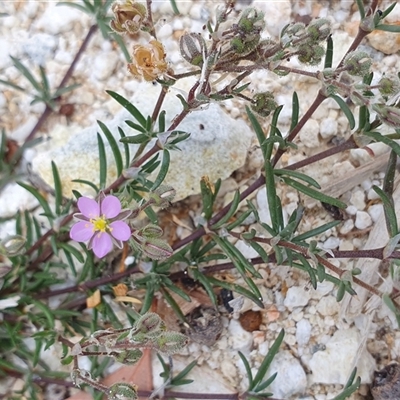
(100, 224)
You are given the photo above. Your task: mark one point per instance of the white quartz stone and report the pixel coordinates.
(218, 145)
(334, 364)
(303, 332)
(363, 220)
(296, 296)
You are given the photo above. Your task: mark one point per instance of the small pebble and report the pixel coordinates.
(375, 211)
(347, 227)
(296, 297)
(357, 199)
(331, 243)
(309, 134)
(251, 320)
(351, 210)
(363, 220)
(328, 128)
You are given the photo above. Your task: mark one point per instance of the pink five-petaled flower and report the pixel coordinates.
(101, 224)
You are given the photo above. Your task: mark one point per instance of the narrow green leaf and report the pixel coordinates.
(66, 89)
(161, 121)
(25, 72)
(85, 182)
(274, 131)
(126, 148)
(329, 53)
(392, 307)
(272, 198)
(363, 119)
(102, 162)
(237, 289)
(137, 139)
(248, 370)
(232, 210)
(13, 85)
(346, 110)
(171, 286)
(315, 231)
(45, 310)
(73, 250)
(388, 28)
(314, 193)
(57, 188)
(268, 359)
(346, 393)
(45, 81)
(257, 129)
(378, 137)
(390, 213)
(29, 228)
(174, 7)
(179, 380)
(263, 385)
(43, 203)
(295, 111)
(70, 262)
(197, 275)
(239, 220)
(297, 175)
(114, 147)
(174, 305)
(386, 12)
(162, 173)
(360, 5)
(306, 266)
(129, 107)
(259, 249)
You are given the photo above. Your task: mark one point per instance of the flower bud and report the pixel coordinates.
(156, 249)
(128, 357)
(149, 322)
(148, 62)
(193, 48)
(162, 196)
(128, 17)
(123, 391)
(389, 86)
(292, 32)
(151, 231)
(389, 115)
(12, 246)
(310, 54)
(357, 63)
(263, 104)
(170, 342)
(251, 21)
(319, 29)
(245, 45)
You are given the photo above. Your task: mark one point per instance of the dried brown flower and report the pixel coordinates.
(128, 17)
(148, 62)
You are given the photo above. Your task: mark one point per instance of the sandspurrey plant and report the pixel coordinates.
(90, 237)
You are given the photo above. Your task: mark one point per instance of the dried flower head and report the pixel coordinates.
(128, 17)
(358, 63)
(148, 62)
(263, 103)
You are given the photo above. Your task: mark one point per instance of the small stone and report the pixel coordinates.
(296, 297)
(331, 243)
(372, 195)
(303, 332)
(291, 379)
(104, 65)
(239, 339)
(347, 227)
(333, 365)
(351, 210)
(375, 211)
(363, 220)
(358, 200)
(250, 320)
(328, 306)
(309, 134)
(328, 128)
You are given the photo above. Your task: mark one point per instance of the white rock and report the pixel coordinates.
(328, 128)
(104, 65)
(331, 243)
(358, 200)
(372, 195)
(303, 332)
(363, 220)
(347, 226)
(309, 134)
(291, 378)
(351, 210)
(328, 306)
(218, 145)
(277, 15)
(322, 289)
(246, 249)
(296, 296)
(60, 19)
(239, 339)
(375, 211)
(40, 47)
(334, 364)
(14, 198)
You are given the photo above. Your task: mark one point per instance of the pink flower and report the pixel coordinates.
(101, 224)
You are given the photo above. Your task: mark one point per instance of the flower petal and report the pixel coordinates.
(101, 244)
(81, 231)
(88, 207)
(120, 230)
(110, 207)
